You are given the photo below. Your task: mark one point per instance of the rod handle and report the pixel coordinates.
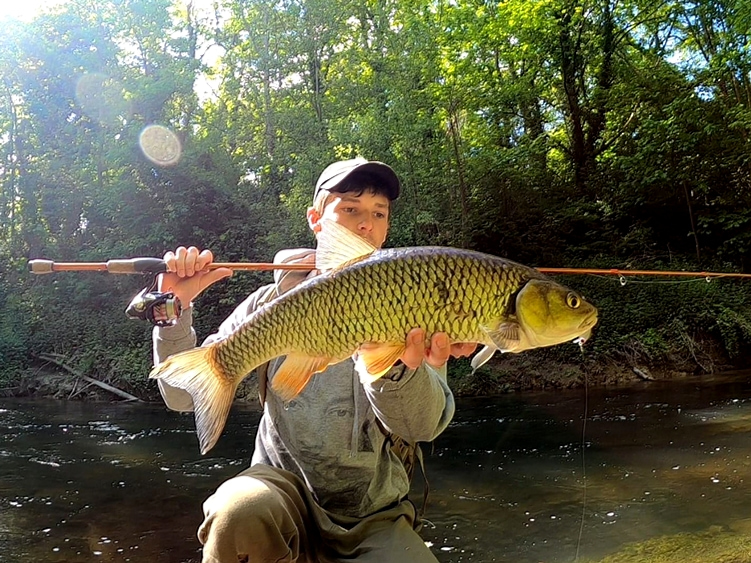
(121, 266)
(136, 266)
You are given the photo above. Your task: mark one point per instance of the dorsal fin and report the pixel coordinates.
(338, 245)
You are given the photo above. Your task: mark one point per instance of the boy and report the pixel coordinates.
(325, 482)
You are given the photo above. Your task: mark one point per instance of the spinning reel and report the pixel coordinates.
(159, 308)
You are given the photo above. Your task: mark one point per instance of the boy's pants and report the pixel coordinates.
(266, 515)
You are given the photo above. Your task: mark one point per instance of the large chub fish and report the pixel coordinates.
(377, 296)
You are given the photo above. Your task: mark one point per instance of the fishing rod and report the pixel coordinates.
(158, 266)
(164, 308)
(617, 272)
(146, 266)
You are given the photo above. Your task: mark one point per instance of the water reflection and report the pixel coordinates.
(118, 482)
(659, 459)
(81, 482)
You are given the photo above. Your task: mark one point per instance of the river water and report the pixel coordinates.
(522, 478)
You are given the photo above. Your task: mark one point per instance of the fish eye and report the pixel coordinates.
(573, 300)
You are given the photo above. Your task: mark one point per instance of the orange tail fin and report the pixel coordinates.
(196, 372)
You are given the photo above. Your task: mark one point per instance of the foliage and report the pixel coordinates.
(553, 132)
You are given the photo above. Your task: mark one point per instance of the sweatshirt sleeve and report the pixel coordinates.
(170, 340)
(416, 405)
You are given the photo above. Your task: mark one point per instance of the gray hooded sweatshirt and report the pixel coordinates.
(334, 434)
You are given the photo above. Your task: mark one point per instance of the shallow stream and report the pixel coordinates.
(522, 478)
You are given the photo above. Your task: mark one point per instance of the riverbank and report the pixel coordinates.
(537, 370)
(534, 370)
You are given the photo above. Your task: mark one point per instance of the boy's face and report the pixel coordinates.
(366, 215)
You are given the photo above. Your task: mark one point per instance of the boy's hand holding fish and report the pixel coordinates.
(437, 354)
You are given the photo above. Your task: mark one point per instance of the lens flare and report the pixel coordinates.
(160, 145)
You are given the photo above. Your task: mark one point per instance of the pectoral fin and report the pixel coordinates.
(507, 337)
(295, 373)
(374, 360)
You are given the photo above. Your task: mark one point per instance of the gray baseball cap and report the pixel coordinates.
(334, 174)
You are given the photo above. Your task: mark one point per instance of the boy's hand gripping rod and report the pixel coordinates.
(146, 266)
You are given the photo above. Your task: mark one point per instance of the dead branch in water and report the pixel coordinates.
(57, 359)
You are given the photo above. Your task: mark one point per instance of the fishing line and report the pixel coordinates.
(623, 281)
(584, 466)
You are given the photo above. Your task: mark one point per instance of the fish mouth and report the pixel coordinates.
(589, 322)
